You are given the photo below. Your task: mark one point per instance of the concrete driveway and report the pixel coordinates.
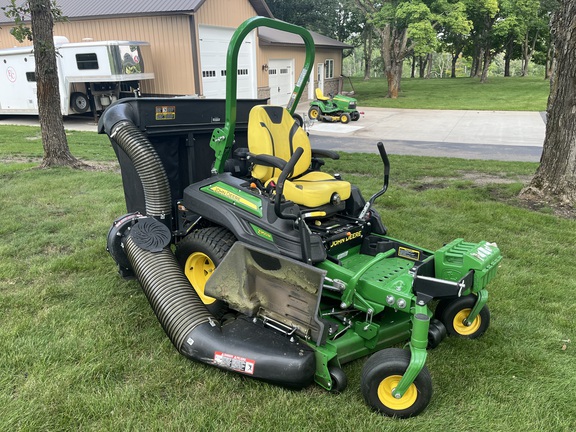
(498, 135)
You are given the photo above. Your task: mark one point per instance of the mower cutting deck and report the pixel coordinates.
(281, 272)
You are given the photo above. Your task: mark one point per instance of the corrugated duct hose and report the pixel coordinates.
(240, 345)
(174, 301)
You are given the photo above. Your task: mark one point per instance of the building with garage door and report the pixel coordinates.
(189, 40)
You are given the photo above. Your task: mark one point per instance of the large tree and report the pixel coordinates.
(41, 14)
(407, 27)
(555, 179)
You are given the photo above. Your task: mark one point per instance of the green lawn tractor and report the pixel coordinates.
(257, 262)
(337, 108)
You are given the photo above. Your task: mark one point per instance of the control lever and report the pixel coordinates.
(386, 163)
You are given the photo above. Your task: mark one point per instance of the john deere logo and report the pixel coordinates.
(236, 197)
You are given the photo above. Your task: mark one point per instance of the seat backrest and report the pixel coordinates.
(320, 95)
(273, 131)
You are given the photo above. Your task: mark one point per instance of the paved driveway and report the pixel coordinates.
(498, 135)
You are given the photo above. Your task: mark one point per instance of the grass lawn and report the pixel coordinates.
(498, 94)
(81, 349)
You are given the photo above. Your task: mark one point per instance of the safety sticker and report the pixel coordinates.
(165, 113)
(410, 254)
(235, 363)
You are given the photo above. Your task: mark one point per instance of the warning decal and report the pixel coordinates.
(235, 363)
(410, 254)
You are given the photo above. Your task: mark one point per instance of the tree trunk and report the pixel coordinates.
(453, 68)
(485, 66)
(367, 52)
(429, 60)
(56, 151)
(555, 179)
(508, 55)
(527, 52)
(549, 68)
(413, 69)
(422, 66)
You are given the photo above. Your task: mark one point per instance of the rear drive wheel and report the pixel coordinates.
(345, 118)
(355, 115)
(380, 376)
(314, 113)
(199, 254)
(455, 312)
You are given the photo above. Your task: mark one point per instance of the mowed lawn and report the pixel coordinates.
(498, 94)
(81, 350)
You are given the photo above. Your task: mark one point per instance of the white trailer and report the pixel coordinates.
(91, 75)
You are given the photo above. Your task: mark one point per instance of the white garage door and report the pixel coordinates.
(280, 80)
(213, 48)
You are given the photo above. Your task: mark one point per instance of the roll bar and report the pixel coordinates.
(223, 138)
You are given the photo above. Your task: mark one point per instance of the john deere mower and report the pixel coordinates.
(257, 262)
(330, 108)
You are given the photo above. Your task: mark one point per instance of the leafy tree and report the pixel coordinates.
(41, 14)
(555, 179)
(407, 27)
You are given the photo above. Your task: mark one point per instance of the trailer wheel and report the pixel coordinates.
(345, 118)
(382, 373)
(79, 102)
(455, 312)
(314, 113)
(199, 254)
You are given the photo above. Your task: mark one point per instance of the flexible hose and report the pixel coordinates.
(174, 301)
(148, 165)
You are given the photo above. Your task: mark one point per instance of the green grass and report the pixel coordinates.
(80, 348)
(498, 94)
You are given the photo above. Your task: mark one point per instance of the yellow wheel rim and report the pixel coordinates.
(387, 385)
(344, 119)
(462, 329)
(198, 269)
(314, 114)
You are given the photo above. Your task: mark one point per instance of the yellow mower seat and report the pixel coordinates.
(320, 96)
(273, 131)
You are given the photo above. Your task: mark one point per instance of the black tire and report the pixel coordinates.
(345, 118)
(199, 253)
(314, 113)
(436, 333)
(382, 372)
(298, 119)
(79, 102)
(339, 379)
(355, 115)
(454, 313)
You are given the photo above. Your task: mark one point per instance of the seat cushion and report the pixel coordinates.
(315, 189)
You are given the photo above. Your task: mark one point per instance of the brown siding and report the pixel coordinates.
(169, 37)
(299, 56)
(224, 13)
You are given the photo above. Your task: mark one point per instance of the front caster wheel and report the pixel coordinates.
(455, 313)
(380, 376)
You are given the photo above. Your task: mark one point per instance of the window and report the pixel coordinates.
(208, 74)
(87, 61)
(329, 68)
(30, 76)
(242, 71)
